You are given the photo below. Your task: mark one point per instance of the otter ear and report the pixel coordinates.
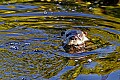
(84, 32)
(85, 38)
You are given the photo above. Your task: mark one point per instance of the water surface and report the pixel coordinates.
(31, 44)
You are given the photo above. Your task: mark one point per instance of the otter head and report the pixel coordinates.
(74, 39)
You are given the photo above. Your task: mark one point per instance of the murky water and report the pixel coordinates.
(31, 45)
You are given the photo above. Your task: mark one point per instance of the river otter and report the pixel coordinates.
(74, 41)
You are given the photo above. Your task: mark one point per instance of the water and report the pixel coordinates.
(31, 45)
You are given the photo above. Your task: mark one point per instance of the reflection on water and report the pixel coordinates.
(31, 44)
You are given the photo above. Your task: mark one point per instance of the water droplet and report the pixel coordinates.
(74, 19)
(57, 19)
(76, 60)
(11, 43)
(70, 19)
(50, 9)
(27, 43)
(96, 2)
(89, 60)
(43, 9)
(23, 79)
(90, 8)
(45, 12)
(14, 47)
(73, 10)
(57, 4)
(60, 2)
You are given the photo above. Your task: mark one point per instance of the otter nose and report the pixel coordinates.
(73, 38)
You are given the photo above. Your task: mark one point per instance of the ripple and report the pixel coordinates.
(100, 51)
(16, 7)
(111, 30)
(32, 49)
(75, 14)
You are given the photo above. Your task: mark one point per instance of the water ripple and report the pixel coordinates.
(16, 7)
(31, 47)
(75, 14)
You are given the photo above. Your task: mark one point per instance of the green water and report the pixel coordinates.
(31, 45)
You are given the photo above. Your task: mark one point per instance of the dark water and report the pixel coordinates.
(31, 45)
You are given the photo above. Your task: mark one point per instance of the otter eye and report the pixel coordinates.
(72, 38)
(75, 38)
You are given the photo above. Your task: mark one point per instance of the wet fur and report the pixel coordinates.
(71, 48)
